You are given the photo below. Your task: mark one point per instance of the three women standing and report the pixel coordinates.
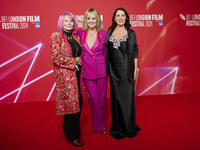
(121, 57)
(93, 40)
(120, 63)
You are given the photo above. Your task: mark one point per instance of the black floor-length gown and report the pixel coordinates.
(122, 91)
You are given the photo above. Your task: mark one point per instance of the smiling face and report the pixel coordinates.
(120, 18)
(91, 20)
(68, 24)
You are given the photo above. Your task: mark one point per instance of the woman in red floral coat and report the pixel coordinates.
(66, 53)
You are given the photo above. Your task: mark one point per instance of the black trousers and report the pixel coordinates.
(71, 126)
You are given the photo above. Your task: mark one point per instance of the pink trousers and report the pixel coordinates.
(97, 89)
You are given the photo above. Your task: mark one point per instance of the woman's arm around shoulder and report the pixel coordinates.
(102, 31)
(80, 32)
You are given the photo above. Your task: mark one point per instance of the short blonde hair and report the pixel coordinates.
(92, 10)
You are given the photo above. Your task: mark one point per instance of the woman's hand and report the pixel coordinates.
(135, 74)
(78, 61)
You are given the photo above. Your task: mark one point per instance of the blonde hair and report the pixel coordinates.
(92, 10)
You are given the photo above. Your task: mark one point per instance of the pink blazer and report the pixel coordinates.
(94, 61)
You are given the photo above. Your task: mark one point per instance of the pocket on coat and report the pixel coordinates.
(101, 60)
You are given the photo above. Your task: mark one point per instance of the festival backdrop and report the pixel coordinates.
(167, 35)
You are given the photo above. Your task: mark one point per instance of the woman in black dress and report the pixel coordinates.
(121, 57)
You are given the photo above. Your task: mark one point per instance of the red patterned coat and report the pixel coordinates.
(67, 96)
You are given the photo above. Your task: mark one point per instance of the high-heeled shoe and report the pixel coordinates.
(103, 131)
(77, 143)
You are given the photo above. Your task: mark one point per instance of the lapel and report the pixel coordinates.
(129, 42)
(76, 38)
(85, 42)
(109, 32)
(66, 43)
(97, 41)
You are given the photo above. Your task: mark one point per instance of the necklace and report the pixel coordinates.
(69, 37)
(90, 42)
(91, 38)
(72, 42)
(92, 33)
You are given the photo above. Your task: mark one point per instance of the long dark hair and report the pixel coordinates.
(127, 23)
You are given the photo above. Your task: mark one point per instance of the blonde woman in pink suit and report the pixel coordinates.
(93, 41)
